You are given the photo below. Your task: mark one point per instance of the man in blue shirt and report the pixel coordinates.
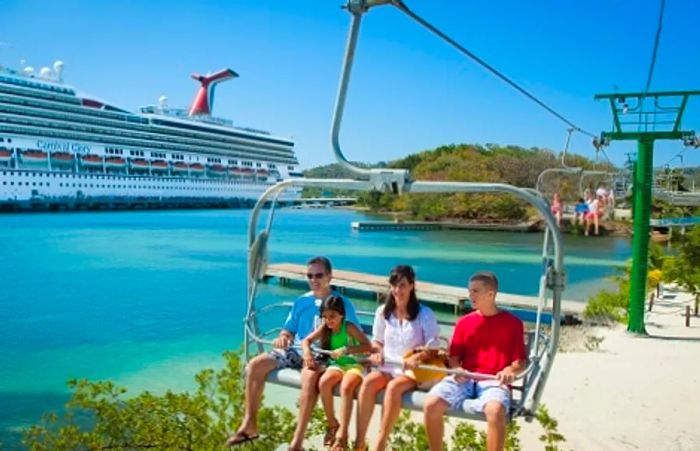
(301, 321)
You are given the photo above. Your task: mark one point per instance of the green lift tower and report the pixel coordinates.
(644, 117)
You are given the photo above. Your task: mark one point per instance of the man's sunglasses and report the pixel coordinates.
(318, 275)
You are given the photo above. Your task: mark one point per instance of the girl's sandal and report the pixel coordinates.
(329, 437)
(340, 444)
(360, 447)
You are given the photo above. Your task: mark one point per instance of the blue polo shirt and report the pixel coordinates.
(305, 317)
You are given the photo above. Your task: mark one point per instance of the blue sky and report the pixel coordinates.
(409, 91)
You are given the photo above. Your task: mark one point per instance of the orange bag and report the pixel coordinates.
(424, 378)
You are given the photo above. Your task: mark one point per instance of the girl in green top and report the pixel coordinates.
(343, 338)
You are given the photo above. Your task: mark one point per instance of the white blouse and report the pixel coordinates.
(398, 337)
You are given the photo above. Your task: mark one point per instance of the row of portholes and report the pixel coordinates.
(109, 177)
(11, 183)
(80, 185)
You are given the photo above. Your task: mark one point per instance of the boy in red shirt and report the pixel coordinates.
(487, 340)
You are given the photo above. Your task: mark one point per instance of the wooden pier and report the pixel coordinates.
(433, 225)
(426, 291)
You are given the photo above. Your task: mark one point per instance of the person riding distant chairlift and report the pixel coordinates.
(401, 325)
(487, 340)
(300, 322)
(557, 208)
(580, 211)
(596, 209)
(343, 338)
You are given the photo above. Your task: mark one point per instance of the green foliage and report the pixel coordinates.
(466, 437)
(613, 304)
(609, 305)
(684, 267)
(101, 416)
(551, 437)
(408, 434)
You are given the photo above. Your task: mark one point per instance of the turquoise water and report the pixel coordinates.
(149, 298)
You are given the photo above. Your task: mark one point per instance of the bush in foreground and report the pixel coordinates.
(101, 416)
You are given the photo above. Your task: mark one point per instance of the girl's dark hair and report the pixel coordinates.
(397, 274)
(336, 304)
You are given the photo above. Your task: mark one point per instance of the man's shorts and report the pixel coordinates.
(478, 393)
(287, 358)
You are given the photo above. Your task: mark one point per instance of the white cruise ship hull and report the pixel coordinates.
(60, 149)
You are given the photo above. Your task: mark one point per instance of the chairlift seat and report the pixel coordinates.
(415, 399)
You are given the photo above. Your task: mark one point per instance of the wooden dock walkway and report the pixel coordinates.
(440, 225)
(426, 291)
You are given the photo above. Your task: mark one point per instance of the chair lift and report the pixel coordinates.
(578, 171)
(542, 341)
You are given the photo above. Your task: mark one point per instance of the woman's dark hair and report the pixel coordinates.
(397, 274)
(336, 304)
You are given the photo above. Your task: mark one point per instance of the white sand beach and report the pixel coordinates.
(631, 393)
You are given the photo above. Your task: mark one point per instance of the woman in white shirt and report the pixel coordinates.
(400, 325)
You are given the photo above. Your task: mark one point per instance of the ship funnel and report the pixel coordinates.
(203, 102)
(58, 70)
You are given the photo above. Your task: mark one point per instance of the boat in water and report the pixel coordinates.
(61, 148)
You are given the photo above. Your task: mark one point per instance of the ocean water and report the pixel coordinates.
(149, 298)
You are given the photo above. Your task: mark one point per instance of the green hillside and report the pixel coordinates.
(469, 163)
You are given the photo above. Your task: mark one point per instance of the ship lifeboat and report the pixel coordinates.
(34, 156)
(248, 172)
(139, 164)
(196, 168)
(263, 172)
(180, 167)
(62, 158)
(115, 162)
(217, 170)
(159, 165)
(91, 160)
(5, 155)
(235, 171)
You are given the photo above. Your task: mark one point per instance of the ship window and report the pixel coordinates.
(12, 183)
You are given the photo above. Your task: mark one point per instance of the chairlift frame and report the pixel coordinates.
(542, 343)
(577, 171)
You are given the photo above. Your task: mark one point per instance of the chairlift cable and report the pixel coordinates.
(656, 46)
(402, 6)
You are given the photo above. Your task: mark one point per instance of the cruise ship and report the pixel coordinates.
(60, 148)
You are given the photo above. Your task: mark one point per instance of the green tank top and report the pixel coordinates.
(338, 341)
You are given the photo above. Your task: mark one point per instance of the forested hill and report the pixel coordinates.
(470, 163)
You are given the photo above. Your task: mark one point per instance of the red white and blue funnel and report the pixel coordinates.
(203, 102)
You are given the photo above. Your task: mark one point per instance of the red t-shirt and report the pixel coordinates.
(487, 344)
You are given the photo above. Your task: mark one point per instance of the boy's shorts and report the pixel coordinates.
(287, 358)
(478, 393)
